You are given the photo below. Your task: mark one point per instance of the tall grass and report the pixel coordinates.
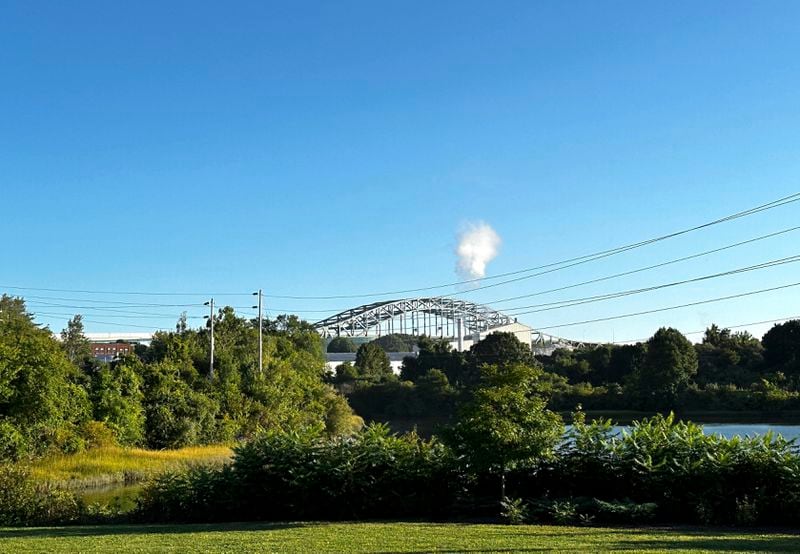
(109, 465)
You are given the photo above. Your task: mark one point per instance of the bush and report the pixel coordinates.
(13, 445)
(564, 512)
(97, 434)
(370, 475)
(199, 493)
(692, 477)
(625, 512)
(662, 470)
(24, 502)
(514, 511)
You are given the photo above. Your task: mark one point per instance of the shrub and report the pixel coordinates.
(514, 511)
(24, 502)
(372, 474)
(97, 434)
(199, 493)
(564, 512)
(13, 445)
(625, 512)
(692, 477)
(662, 470)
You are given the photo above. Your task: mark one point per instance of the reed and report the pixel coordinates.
(109, 465)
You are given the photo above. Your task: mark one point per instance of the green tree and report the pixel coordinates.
(625, 360)
(782, 347)
(506, 423)
(183, 323)
(74, 342)
(435, 391)
(396, 342)
(571, 365)
(176, 415)
(116, 395)
(372, 362)
(346, 373)
(728, 358)
(438, 354)
(38, 397)
(501, 348)
(341, 345)
(669, 365)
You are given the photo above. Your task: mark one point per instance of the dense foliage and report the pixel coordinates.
(505, 424)
(662, 471)
(301, 454)
(341, 344)
(41, 402)
(290, 476)
(681, 473)
(54, 396)
(25, 502)
(726, 371)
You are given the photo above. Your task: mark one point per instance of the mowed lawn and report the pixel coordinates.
(385, 537)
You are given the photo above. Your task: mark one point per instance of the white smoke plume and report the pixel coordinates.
(478, 244)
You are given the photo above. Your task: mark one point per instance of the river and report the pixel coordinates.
(730, 430)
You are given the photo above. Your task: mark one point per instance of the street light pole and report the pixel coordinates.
(210, 317)
(260, 333)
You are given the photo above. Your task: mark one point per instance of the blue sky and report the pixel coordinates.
(336, 148)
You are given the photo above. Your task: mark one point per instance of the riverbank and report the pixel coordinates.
(113, 465)
(626, 417)
(386, 537)
(428, 426)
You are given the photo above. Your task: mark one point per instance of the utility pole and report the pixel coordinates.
(260, 334)
(210, 317)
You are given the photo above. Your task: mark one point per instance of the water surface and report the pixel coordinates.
(730, 430)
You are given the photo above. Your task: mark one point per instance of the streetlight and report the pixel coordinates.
(210, 317)
(260, 334)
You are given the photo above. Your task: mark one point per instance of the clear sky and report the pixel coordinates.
(337, 148)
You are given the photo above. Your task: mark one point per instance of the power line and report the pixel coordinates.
(739, 326)
(118, 316)
(149, 327)
(112, 303)
(570, 262)
(97, 308)
(575, 285)
(591, 281)
(580, 301)
(123, 293)
(647, 268)
(668, 308)
(630, 292)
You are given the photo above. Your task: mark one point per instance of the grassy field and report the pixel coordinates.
(385, 537)
(111, 465)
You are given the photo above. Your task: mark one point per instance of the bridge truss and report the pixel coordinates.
(435, 316)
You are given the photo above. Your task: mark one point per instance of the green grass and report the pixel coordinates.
(386, 537)
(111, 465)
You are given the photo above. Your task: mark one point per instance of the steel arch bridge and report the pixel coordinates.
(434, 316)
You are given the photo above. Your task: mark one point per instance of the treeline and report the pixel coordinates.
(54, 396)
(725, 371)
